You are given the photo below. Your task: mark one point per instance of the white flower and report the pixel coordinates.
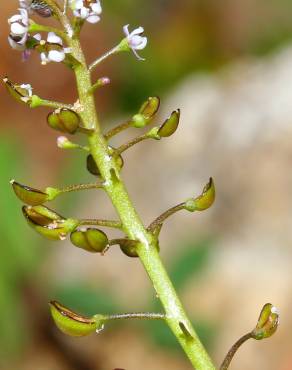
(87, 10)
(55, 54)
(135, 40)
(27, 88)
(18, 30)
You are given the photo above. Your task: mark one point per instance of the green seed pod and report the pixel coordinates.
(72, 323)
(170, 125)
(147, 112)
(64, 120)
(48, 223)
(204, 201)
(128, 247)
(29, 195)
(90, 239)
(22, 93)
(93, 169)
(267, 323)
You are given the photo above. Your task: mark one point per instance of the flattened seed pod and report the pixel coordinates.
(29, 195)
(93, 169)
(203, 201)
(48, 223)
(71, 323)
(64, 120)
(147, 112)
(90, 239)
(170, 125)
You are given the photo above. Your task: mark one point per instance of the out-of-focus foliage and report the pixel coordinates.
(18, 253)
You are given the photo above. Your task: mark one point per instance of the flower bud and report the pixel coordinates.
(48, 223)
(31, 196)
(170, 125)
(267, 323)
(146, 112)
(22, 93)
(73, 324)
(64, 120)
(90, 239)
(204, 201)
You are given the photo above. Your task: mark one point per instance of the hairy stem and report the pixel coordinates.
(159, 220)
(226, 363)
(131, 222)
(137, 315)
(98, 222)
(116, 130)
(78, 187)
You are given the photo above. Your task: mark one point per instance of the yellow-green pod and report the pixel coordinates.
(48, 223)
(203, 201)
(267, 323)
(90, 239)
(93, 169)
(147, 112)
(64, 120)
(71, 323)
(170, 125)
(128, 247)
(29, 195)
(21, 93)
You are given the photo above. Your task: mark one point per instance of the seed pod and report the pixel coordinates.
(170, 125)
(48, 223)
(29, 195)
(147, 112)
(93, 169)
(267, 323)
(64, 120)
(90, 239)
(22, 93)
(204, 201)
(128, 247)
(71, 323)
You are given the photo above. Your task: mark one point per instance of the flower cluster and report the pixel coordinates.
(88, 10)
(50, 48)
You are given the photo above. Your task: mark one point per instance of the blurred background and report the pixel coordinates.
(228, 66)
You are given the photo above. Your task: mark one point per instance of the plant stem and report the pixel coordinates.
(132, 225)
(105, 223)
(233, 350)
(131, 143)
(113, 51)
(55, 104)
(137, 315)
(78, 187)
(159, 220)
(116, 130)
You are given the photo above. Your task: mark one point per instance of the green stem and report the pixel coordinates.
(233, 350)
(131, 143)
(132, 224)
(159, 220)
(35, 27)
(137, 315)
(78, 187)
(116, 130)
(53, 104)
(113, 51)
(104, 223)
